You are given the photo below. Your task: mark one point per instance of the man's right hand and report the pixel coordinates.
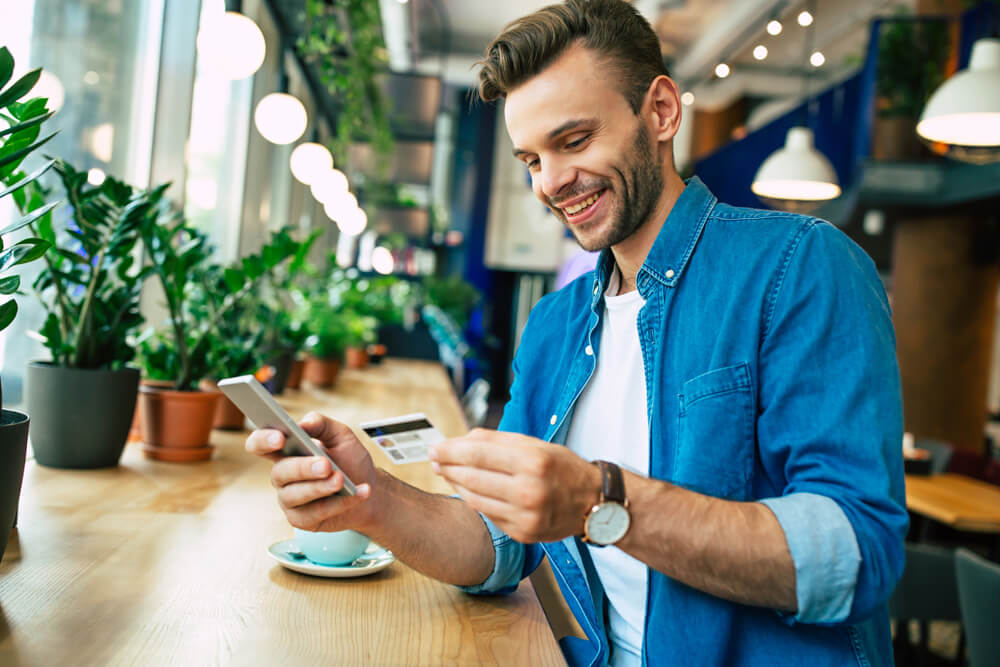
(306, 484)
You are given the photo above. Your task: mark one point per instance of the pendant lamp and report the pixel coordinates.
(797, 176)
(964, 112)
(279, 117)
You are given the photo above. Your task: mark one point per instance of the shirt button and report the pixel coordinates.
(589, 350)
(554, 419)
(670, 273)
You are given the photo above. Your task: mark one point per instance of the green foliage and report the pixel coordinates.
(90, 286)
(18, 140)
(279, 303)
(453, 295)
(328, 336)
(343, 38)
(911, 63)
(199, 296)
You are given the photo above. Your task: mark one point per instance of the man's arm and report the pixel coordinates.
(538, 492)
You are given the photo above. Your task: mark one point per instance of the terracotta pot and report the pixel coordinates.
(355, 357)
(135, 432)
(174, 420)
(894, 138)
(321, 372)
(228, 417)
(295, 374)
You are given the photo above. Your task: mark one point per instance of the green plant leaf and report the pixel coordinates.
(7, 313)
(234, 279)
(28, 219)
(10, 284)
(16, 157)
(26, 125)
(6, 66)
(36, 248)
(28, 179)
(20, 88)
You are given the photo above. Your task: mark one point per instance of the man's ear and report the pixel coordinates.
(664, 108)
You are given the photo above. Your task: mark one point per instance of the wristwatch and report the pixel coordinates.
(608, 520)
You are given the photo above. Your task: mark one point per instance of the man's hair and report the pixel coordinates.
(611, 28)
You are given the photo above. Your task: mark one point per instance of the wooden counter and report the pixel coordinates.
(166, 564)
(955, 500)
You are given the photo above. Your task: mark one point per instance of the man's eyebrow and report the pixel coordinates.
(565, 127)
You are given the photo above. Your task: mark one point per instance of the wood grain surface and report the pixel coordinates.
(959, 501)
(156, 563)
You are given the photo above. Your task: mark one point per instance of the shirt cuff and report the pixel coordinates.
(508, 563)
(825, 552)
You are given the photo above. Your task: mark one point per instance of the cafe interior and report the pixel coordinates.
(308, 192)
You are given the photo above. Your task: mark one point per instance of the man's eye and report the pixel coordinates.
(532, 163)
(578, 142)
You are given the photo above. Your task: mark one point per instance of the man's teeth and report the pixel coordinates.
(576, 208)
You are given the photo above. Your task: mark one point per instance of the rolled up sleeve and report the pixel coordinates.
(825, 553)
(508, 564)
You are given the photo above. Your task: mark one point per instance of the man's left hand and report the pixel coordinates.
(532, 490)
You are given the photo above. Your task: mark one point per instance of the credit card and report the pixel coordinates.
(404, 439)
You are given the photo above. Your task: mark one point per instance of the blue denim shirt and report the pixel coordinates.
(771, 376)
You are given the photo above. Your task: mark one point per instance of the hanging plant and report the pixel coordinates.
(343, 40)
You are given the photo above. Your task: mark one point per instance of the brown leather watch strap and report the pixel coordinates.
(612, 482)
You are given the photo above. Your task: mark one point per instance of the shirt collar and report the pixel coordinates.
(675, 243)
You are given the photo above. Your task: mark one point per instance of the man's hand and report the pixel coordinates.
(306, 484)
(532, 490)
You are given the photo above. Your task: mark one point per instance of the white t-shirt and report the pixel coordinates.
(610, 423)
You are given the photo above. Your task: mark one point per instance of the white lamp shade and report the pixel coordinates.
(231, 45)
(382, 260)
(328, 186)
(353, 223)
(280, 118)
(340, 206)
(309, 161)
(965, 109)
(797, 171)
(49, 86)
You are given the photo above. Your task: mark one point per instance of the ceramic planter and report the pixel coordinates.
(295, 374)
(13, 443)
(177, 425)
(321, 372)
(355, 357)
(82, 416)
(282, 364)
(228, 417)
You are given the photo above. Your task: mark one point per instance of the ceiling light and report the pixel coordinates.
(774, 27)
(722, 70)
(805, 19)
(328, 186)
(382, 260)
(687, 99)
(309, 161)
(760, 52)
(231, 45)
(964, 112)
(817, 59)
(353, 222)
(796, 172)
(280, 118)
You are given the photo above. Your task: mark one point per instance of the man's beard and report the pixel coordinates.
(640, 182)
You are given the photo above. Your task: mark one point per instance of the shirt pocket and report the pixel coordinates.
(715, 433)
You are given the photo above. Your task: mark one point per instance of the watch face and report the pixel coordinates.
(608, 523)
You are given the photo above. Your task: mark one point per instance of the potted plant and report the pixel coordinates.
(17, 140)
(177, 421)
(359, 333)
(325, 344)
(84, 398)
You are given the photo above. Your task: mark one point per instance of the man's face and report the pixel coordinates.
(590, 157)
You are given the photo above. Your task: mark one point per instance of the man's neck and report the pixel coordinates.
(631, 253)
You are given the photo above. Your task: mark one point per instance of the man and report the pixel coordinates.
(734, 367)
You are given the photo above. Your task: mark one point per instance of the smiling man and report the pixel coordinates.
(703, 434)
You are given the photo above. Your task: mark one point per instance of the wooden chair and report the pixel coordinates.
(927, 592)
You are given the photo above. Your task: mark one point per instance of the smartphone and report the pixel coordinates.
(259, 406)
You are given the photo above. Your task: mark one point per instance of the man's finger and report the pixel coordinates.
(489, 483)
(265, 441)
(299, 494)
(320, 513)
(481, 453)
(496, 510)
(323, 428)
(299, 469)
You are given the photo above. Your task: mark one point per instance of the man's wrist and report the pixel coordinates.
(590, 494)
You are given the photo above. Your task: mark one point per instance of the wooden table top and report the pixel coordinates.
(159, 563)
(956, 500)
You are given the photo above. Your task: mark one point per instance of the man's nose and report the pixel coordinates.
(555, 176)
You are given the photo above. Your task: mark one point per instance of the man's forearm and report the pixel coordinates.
(439, 536)
(733, 550)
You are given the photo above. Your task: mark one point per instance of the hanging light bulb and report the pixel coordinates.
(310, 160)
(280, 118)
(49, 86)
(382, 260)
(760, 52)
(964, 112)
(722, 70)
(232, 45)
(353, 222)
(329, 185)
(687, 99)
(817, 59)
(796, 172)
(805, 19)
(774, 27)
(340, 206)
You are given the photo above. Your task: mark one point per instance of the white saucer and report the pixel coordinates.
(374, 559)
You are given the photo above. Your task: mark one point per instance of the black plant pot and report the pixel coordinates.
(282, 363)
(82, 416)
(13, 442)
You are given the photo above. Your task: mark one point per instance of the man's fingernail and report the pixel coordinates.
(364, 490)
(436, 467)
(274, 439)
(318, 467)
(432, 453)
